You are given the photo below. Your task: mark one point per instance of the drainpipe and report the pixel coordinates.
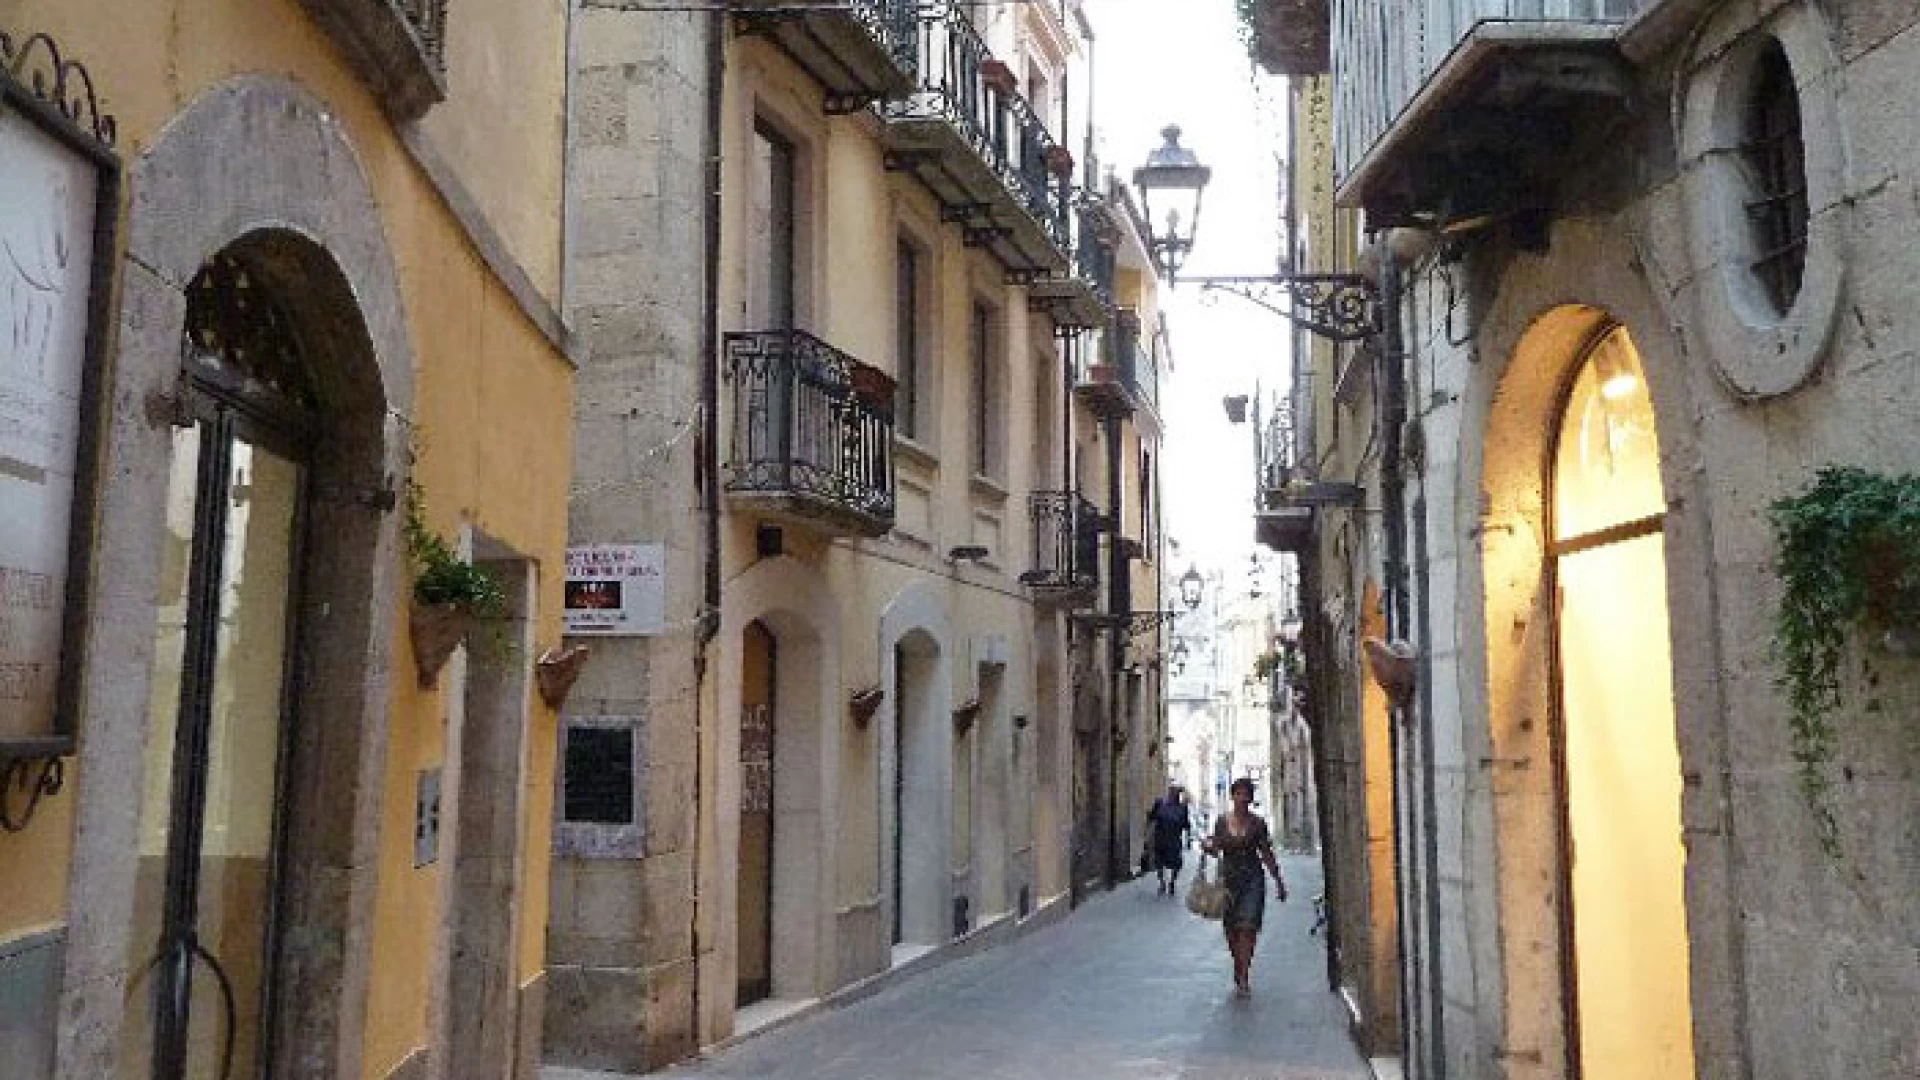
(708, 467)
(1430, 839)
(1393, 504)
(1117, 605)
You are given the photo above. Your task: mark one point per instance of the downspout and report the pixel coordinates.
(1117, 605)
(709, 464)
(1430, 838)
(1393, 505)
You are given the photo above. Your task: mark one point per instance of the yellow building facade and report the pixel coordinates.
(329, 277)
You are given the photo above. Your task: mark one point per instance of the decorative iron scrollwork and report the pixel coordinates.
(37, 65)
(24, 783)
(1340, 307)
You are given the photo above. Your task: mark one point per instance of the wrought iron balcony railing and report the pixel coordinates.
(812, 433)
(969, 136)
(1081, 298)
(1124, 375)
(860, 51)
(1286, 494)
(1066, 547)
(398, 47)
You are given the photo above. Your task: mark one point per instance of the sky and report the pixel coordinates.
(1182, 61)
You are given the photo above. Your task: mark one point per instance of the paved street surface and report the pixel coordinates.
(1131, 987)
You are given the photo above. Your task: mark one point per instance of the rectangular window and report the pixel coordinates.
(906, 341)
(771, 231)
(987, 428)
(1146, 503)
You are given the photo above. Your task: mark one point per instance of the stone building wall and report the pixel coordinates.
(624, 940)
(1801, 964)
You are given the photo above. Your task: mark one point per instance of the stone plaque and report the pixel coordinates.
(599, 798)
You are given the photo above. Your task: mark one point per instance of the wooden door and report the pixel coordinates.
(756, 816)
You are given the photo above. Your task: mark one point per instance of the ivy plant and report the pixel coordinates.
(1847, 551)
(442, 576)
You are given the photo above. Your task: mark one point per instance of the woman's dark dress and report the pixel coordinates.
(1242, 871)
(1170, 824)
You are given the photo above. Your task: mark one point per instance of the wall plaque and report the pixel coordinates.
(599, 798)
(58, 183)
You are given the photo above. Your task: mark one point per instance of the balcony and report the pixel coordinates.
(398, 47)
(860, 51)
(1286, 497)
(969, 137)
(1081, 297)
(1066, 549)
(1124, 376)
(1474, 110)
(812, 434)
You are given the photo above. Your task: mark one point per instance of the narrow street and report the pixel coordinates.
(1130, 987)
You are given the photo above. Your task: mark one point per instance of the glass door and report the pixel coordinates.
(202, 947)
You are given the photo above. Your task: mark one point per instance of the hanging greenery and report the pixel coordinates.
(1266, 664)
(1848, 554)
(443, 577)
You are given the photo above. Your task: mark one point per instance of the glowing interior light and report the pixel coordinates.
(1617, 377)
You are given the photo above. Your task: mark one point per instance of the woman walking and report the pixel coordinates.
(1170, 825)
(1245, 847)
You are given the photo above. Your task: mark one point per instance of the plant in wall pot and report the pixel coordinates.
(1847, 551)
(450, 594)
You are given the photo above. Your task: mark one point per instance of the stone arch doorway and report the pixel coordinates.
(918, 793)
(273, 418)
(1581, 715)
(1623, 861)
(312, 240)
(779, 793)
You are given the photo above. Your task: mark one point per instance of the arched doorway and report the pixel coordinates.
(222, 703)
(754, 899)
(918, 787)
(1623, 860)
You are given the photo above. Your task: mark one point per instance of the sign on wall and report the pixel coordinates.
(57, 174)
(601, 769)
(616, 589)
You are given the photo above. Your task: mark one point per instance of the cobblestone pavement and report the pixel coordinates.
(1130, 987)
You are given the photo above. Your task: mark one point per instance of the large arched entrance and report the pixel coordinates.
(1623, 857)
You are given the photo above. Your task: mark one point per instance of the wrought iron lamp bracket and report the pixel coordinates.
(1338, 307)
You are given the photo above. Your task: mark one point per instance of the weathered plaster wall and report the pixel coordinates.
(482, 368)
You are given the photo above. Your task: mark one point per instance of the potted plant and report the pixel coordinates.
(1847, 551)
(1060, 161)
(449, 594)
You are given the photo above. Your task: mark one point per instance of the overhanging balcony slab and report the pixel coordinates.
(920, 139)
(1493, 127)
(1071, 301)
(860, 52)
(1287, 529)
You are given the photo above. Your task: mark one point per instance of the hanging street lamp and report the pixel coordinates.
(1190, 585)
(1340, 307)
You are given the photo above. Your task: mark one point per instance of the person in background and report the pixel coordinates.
(1245, 847)
(1170, 827)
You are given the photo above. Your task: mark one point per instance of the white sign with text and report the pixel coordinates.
(616, 590)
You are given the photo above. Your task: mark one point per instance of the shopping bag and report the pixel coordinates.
(1207, 897)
